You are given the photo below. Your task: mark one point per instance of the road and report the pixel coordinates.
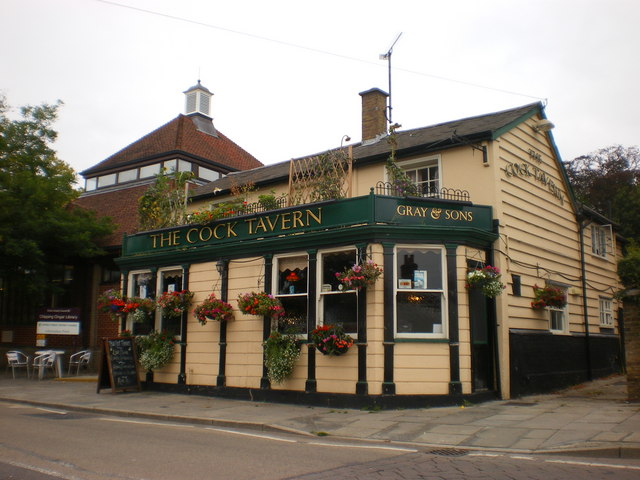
(42, 444)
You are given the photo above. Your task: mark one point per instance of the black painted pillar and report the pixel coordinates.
(125, 293)
(224, 294)
(182, 377)
(455, 386)
(362, 387)
(388, 385)
(266, 321)
(310, 384)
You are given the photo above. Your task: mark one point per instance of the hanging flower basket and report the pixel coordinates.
(359, 276)
(260, 303)
(111, 302)
(213, 309)
(155, 350)
(140, 309)
(487, 279)
(548, 296)
(280, 354)
(174, 303)
(331, 340)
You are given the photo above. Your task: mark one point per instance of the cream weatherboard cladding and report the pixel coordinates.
(533, 234)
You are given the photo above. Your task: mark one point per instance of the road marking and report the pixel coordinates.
(376, 447)
(59, 412)
(256, 435)
(46, 471)
(147, 422)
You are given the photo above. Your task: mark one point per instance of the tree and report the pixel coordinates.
(609, 181)
(40, 231)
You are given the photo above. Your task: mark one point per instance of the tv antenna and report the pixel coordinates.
(387, 57)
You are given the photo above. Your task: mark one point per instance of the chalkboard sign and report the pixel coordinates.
(118, 368)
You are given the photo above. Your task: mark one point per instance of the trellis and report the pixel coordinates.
(321, 177)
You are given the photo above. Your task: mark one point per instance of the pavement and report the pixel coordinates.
(593, 419)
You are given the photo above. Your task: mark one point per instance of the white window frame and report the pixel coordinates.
(564, 312)
(444, 295)
(424, 162)
(320, 295)
(275, 275)
(600, 237)
(159, 291)
(606, 312)
(131, 293)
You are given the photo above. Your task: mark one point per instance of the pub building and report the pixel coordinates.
(489, 191)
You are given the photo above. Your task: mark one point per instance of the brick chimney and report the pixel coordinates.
(374, 114)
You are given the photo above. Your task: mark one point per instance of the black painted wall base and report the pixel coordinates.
(543, 362)
(333, 400)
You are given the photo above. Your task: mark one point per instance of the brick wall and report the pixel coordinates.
(632, 346)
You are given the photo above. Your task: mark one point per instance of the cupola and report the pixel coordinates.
(197, 106)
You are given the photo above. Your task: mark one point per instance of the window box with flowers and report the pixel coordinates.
(213, 309)
(173, 304)
(548, 296)
(331, 340)
(486, 279)
(260, 303)
(359, 276)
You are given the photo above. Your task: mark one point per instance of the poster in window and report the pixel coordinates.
(171, 287)
(404, 283)
(420, 279)
(142, 291)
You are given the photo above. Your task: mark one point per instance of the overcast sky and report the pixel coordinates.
(286, 74)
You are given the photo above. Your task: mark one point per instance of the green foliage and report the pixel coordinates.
(269, 201)
(629, 267)
(609, 181)
(328, 177)
(154, 350)
(400, 182)
(164, 204)
(39, 229)
(280, 354)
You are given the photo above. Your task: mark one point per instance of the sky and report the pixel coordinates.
(286, 74)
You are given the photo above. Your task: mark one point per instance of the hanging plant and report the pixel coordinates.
(213, 309)
(487, 279)
(141, 309)
(154, 350)
(331, 340)
(359, 276)
(280, 354)
(548, 296)
(260, 303)
(174, 303)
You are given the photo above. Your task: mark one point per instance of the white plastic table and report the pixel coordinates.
(58, 362)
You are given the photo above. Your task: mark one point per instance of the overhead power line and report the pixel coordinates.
(314, 50)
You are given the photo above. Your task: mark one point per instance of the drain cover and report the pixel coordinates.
(448, 452)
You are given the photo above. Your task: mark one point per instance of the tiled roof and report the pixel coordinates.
(121, 205)
(180, 135)
(442, 135)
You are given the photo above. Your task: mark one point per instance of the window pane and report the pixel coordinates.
(171, 165)
(171, 281)
(292, 275)
(184, 166)
(127, 175)
(295, 317)
(333, 263)
(557, 320)
(106, 180)
(141, 287)
(341, 308)
(91, 184)
(419, 312)
(429, 261)
(208, 174)
(149, 170)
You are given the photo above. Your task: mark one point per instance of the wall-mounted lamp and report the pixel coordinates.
(345, 138)
(543, 126)
(221, 266)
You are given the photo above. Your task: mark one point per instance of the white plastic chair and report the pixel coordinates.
(44, 361)
(79, 359)
(17, 359)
